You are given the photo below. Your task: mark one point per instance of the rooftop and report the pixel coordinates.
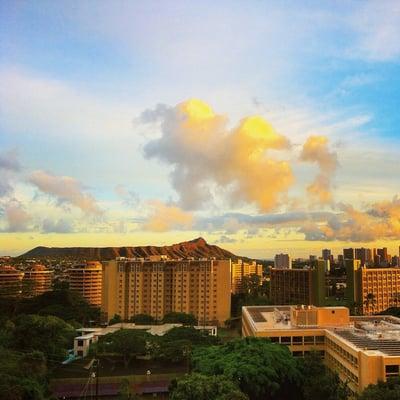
(368, 333)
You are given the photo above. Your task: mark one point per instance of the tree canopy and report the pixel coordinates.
(389, 390)
(50, 335)
(177, 344)
(143, 319)
(63, 303)
(128, 343)
(202, 387)
(22, 375)
(115, 319)
(192, 335)
(261, 370)
(319, 382)
(180, 318)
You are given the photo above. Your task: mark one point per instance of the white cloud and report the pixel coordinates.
(377, 28)
(44, 106)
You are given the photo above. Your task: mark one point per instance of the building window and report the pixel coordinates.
(319, 339)
(285, 340)
(392, 369)
(80, 343)
(297, 340)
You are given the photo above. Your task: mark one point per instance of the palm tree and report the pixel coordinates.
(370, 300)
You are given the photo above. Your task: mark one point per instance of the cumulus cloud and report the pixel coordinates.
(17, 219)
(233, 222)
(316, 150)
(379, 221)
(206, 154)
(9, 165)
(163, 217)
(56, 226)
(226, 239)
(66, 190)
(129, 198)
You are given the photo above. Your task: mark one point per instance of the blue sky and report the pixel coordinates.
(75, 77)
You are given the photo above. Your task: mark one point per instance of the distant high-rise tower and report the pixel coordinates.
(283, 261)
(383, 255)
(326, 254)
(364, 255)
(348, 254)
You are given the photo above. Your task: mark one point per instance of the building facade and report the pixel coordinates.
(283, 261)
(10, 281)
(86, 279)
(372, 290)
(199, 287)
(37, 280)
(362, 350)
(242, 269)
(298, 286)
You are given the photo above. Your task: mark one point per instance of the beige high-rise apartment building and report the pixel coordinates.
(372, 290)
(86, 279)
(10, 281)
(36, 281)
(282, 261)
(241, 269)
(137, 286)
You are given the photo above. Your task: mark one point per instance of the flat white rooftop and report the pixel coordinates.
(380, 333)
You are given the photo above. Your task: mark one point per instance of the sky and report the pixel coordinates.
(262, 126)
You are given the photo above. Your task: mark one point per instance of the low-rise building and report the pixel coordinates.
(362, 350)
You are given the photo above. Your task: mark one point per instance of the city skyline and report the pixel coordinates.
(125, 124)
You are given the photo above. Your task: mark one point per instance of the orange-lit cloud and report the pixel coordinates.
(16, 217)
(163, 217)
(380, 221)
(207, 157)
(316, 150)
(66, 190)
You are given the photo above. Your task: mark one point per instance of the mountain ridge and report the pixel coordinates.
(197, 248)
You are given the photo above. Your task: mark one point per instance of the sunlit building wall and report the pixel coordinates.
(37, 280)
(198, 287)
(86, 279)
(10, 281)
(241, 269)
